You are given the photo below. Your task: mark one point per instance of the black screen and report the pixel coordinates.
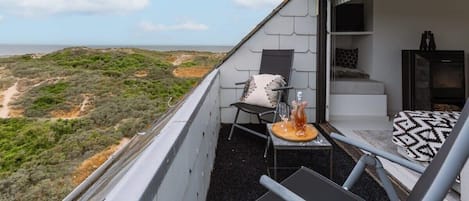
(446, 75)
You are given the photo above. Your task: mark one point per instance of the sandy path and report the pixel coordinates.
(7, 97)
(76, 112)
(91, 164)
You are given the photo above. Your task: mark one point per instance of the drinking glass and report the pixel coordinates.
(283, 113)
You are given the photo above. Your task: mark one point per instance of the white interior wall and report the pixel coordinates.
(398, 25)
(365, 52)
(294, 27)
(343, 42)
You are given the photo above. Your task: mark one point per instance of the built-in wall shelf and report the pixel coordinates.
(352, 33)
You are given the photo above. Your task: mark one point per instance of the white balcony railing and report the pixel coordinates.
(172, 161)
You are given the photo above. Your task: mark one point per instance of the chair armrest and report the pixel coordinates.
(240, 83)
(267, 112)
(282, 88)
(391, 157)
(278, 189)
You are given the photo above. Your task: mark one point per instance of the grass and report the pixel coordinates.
(39, 153)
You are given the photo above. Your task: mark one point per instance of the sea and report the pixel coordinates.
(9, 50)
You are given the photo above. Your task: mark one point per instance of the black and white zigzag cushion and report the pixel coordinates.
(422, 133)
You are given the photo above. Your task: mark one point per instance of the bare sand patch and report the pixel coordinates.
(37, 55)
(141, 73)
(191, 72)
(181, 59)
(16, 112)
(123, 50)
(89, 165)
(63, 114)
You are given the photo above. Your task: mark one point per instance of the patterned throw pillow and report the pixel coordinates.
(258, 90)
(347, 58)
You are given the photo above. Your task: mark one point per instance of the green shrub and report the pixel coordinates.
(21, 140)
(111, 73)
(6, 82)
(188, 64)
(45, 99)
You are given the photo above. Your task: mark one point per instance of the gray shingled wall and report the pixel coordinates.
(293, 27)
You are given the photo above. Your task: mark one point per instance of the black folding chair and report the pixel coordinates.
(433, 184)
(277, 62)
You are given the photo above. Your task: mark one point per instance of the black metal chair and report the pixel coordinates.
(433, 184)
(277, 62)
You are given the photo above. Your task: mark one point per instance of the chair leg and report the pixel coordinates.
(267, 147)
(356, 171)
(385, 180)
(233, 125)
(268, 138)
(371, 160)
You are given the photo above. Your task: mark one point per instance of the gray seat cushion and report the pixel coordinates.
(312, 186)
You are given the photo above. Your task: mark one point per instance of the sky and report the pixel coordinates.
(130, 22)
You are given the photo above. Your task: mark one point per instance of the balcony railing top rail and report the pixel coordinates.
(144, 161)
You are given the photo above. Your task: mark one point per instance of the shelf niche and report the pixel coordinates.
(353, 17)
(348, 38)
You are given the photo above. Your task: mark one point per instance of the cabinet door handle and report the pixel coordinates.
(446, 60)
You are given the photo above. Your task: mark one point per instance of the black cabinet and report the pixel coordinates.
(432, 80)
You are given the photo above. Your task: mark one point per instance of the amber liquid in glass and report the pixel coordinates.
(300, 119)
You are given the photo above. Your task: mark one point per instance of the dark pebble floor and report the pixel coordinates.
(240, 163)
